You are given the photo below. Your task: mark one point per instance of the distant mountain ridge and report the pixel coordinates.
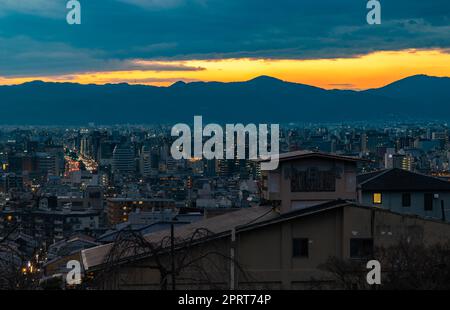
(263, 99)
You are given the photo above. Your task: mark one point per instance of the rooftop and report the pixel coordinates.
(216, 225)
(220, 226)
(311, 154)
(124, 199)
(400, 180)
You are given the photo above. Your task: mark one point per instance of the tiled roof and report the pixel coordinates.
(401, 180)
(307, 154)
(216, 225)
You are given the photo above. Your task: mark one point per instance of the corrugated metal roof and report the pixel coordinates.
(217, 225)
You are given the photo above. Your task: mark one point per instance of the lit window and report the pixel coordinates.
(377, 198)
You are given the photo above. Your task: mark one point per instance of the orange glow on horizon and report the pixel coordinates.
(363, 72)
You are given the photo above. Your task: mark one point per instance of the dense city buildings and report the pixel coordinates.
(71, 193)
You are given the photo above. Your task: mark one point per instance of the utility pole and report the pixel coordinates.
(232, 260)
(172, 252)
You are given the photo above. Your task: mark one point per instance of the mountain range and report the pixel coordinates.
(263, 99)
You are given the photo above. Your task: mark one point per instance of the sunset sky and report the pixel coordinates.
(158, 42)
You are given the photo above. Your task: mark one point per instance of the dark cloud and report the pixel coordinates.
(152, 80)
(22, 56)
(115, 31)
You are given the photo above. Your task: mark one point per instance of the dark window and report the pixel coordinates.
(406, 200)
(361, 248)
(94, 195)
(428, 202)
(300, 247)
(313, 180)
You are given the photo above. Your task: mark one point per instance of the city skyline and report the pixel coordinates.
(235, 145)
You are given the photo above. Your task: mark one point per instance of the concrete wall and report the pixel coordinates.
(266, 253)
(387, 228)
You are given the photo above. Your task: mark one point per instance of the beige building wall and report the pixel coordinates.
(277, 183)
(263, 256)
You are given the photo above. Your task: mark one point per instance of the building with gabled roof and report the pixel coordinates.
(260, 248)
(406, 192)
(306, 178)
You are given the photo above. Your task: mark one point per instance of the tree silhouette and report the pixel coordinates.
(193, 265)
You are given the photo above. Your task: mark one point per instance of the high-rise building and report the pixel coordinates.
(405, 142)
(401, 161)
(47, 164)
(9, 181)
(106, 150)
(123, 159)
(171, 165)
(389, 158)
(145, 162)
(372, 139)
(57, 152)
(209, 167)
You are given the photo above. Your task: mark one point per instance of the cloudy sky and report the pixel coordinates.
(326, 43)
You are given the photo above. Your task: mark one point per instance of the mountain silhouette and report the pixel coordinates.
(421, 87)
(263, 99)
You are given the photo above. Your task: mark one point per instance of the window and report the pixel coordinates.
(300, 247)
(274, 182)
(406, 200)
(428, 202)
(377, 198)
(361, 248)
(313, 180)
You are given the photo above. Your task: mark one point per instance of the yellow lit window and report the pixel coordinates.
(377, 198)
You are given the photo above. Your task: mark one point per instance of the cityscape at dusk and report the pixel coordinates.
(205, 146)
